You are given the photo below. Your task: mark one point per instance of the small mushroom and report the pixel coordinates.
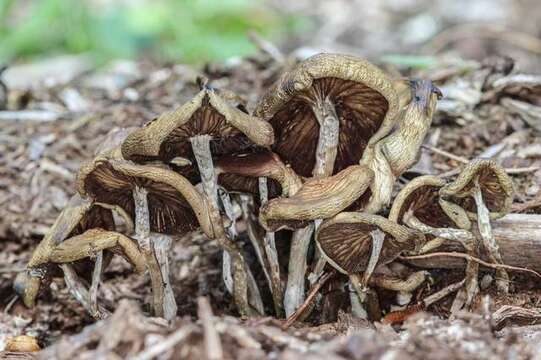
(485, 191)
(330, 104)
(419, 206)
(318, 198)
(240, 173)
(159, 200)
(21, 343)
(79, 217)
(355, 243)
(206, 126)
(397, 152)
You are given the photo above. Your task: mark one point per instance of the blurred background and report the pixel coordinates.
(412, 33)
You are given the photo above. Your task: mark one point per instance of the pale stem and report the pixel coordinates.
(79, 291)
(489, 242)
(467, 240)
(142, 234)
(253, 235)
(357, 308)
(96, 278)
(162, 248)
(294, 294)
(378, 237)
(272, 254)
(327, 147)
(201, 150)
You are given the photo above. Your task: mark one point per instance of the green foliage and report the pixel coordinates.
(176, 30)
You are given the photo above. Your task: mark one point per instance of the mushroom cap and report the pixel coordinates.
(421, 195)
(175, 206)
(346, 243)
(169, 135)
(318, 198)
(240, 173)
(496, 187)
(78, 216)
(365, 101)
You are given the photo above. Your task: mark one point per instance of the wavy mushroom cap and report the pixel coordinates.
(77, 217)
(421, 196)
(365, 101)
(175, 206)
(496, 187)
(169, 135)
(240, 173)
(318, 198)
(346, 243)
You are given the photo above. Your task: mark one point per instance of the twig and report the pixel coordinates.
(446, 154)
(213, 345)
(471, 258)
(166, 344)
(96, 278)
(311, 295)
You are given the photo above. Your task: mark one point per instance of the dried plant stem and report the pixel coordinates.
(294, 294)
(169, 342)
(213, 345)
(162, 248)
(309, 299)
(142, 234)
(96, 278)
(272, 256)
(203, 156)
(489, 242)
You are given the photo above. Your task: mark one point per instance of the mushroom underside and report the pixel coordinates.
(360, 109)
(225, 138)
(349, 246)
(425, 206)
(170, 213)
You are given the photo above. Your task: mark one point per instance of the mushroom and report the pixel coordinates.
(485, 191)
(354, 243)
(249, 173)
(82, 223)
(206, 126)
(159, 200)
(332, 105)
(397, 152)
(318, 198)
(419, 206)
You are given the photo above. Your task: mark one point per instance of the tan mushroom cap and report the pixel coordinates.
(240, 173)
(346, 243)
(78, 216)
(175, 206)
(168, 136)
(365, 101)
(496, 187)
(318, 198)
(421, 195)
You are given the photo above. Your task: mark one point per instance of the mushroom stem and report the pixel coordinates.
(378, 237)
(489, 242)
(96, 278)
(465, 297)
(255, 239)
(79, 292)
(142, 234)
(203, 156)
(327, 145)
(162, 248)
(272, 255)
(294, 294)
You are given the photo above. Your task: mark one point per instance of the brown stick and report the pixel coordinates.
(519, 239)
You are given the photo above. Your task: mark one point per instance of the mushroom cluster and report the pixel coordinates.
(317, 161)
